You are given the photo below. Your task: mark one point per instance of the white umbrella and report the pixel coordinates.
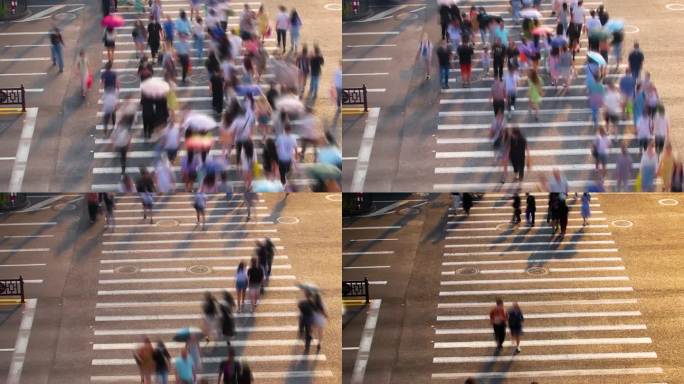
(289, 104)
(447, 2)
(530, 13)
(596, 57)
(199, 122)
(264, 186)
(154, 87)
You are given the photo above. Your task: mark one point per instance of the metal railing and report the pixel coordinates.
(13, 287)
(356, 288)
(355, 96)
(13, 96)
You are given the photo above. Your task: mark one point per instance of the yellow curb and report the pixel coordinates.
(10, 301)
(354, 302)
(352, 111)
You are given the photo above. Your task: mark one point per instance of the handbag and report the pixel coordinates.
(89, 80)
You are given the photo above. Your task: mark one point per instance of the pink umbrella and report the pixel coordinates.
(112, 21)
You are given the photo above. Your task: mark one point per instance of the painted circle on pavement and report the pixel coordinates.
(126, 269)
(467, 271)
(199, 78)
(64, 206)
(127, 78)
(199, 269)
(675, 7)
(287, 220)
(334, 197)
(537, 271)
(668, 202)
(622, 223)
(333, 7)
(167, 223)
(631, 29)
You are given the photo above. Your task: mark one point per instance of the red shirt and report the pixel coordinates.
(497, 315)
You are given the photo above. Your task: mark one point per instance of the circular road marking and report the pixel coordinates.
(631, 29)
(675, 7)
(536, 270)
(199, 78)
(333, 7)
(127, 79)
(334, 197)
(199, 269)
(668, 202)
(167, 223)
(622, 223)
(503, 226)
(287, 220)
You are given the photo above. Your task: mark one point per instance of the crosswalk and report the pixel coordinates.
(152, 278)
(582, 317)
(195, 94)
(561, 139)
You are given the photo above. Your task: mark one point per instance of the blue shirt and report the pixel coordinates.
(184, 368)
(627, 85)
(168, 29)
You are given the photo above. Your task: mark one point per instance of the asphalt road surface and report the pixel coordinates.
(600, 305)
(428, 139)
(67, 149)
(140, 278)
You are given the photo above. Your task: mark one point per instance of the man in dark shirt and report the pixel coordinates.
(444, 58)
(109, 78)
(315, 63)
(498, 56)
(636, 61)
(56, 44)
(465, 58)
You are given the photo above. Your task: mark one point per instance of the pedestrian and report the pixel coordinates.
(586, 209)
(241, 281)
(467, 203)
(563, 20)
(444, 61)
(185, 368)
(677, 177)
(485, 61)
(498, 319)
(306, 320)
(56, 48)
(649, 164)
(182, 48)
(643, 131)
(599, 150)
(229, 369)
(256, 278)
(93, 205)
(198, 37)
(295, 30)
(84, 72)
(263, 23)
(209, 316)
(563, 212)
(227, 321)
(612, 100)
(498, 97)
(286, 146)
(516, 209)
(154, 34)
(518, 155)
(108, 200)
(315, 62)
(303, 62)
(530, 209)
(498, 58)
(535, 92)
(425, 54)
(249, 197)
(282, 25)
(578, 17)
(618, 38)
(169, 31)
(216, 85)
(465, 56)
(444, 19)
(144, 358)
(109, 40)
(162, 359)
(511, 80)
(623, 169)
(515, 323)
(241, 132)
(145, 189)
(666, 167)
(200, 204)
(139, 34)
(661, 128)
(636, 61)
(309, 132)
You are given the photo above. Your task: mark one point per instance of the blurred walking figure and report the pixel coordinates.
(162, 361)
(200, 205)
(516, 209)
(56, 45)
(210, 317)
(498, 319)
(227, 320)
(109, 39)
(623, 169)
(108, 200)
(249, 197)
(425, 54)
(84, 72)
(320, 317)
(295, 27)
(515, 323)
(185, 368)
(563, 212)
(467, 203)
(93, 205)
(241, 281)
(649, 163)
(256, 278)
(586, 209)
(282, 25)
(193, 347)
(536, 91)
(316, 62)
(306, 320)
(666, 167)
(144, 358)
(518, 155)
(530, 209)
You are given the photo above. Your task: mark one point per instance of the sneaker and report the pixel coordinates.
(517, 349)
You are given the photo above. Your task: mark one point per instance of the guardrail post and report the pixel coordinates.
(365, 284)
(23, 103)
(365, 98)
(21, 286)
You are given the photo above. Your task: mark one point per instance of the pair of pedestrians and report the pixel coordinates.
(499, 318)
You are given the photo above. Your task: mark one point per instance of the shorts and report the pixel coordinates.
(466, 69)
(614, 119)
(253, 286)
(499, 106)
(602, 158)
(171, 154)
(241, 285)
(263, 119)
(110, 44)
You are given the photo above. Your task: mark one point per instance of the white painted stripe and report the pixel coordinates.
(28, 224)
(23, 33)
(368, 228)
(534, 291)
(557, 357)
(522, 235)
(522, 99)
(34, 281)
(371, 46)
(366, 147)
(376, 90)
(23, 148)
(173, 331)
(21, 345)
(517, 112)
(286, 375)
(191, 316)
(41, 204)
(537, 139)
(18, 250)
(375, 282)
(544, 343)
(535, 261)
(537, 168)
(508, 221)
(368, 59)
(205, 249)
(489, 214)
(369, 267)
(181, 279)
(554, 373)
(6, 349)
(367, 253)
(534, 243)
(534, 252)
(27, 45)
(522, 125)
(176, 259)
(581, 328)
(38, 15)
(366, 341)
(539, 228)
(383, 15)
(552, 270)
(533, 152)
(368, 33)
(365, 240)
(562, 303)
(562, 315)
(185, 304)
(21, 59)
(519, 89)
(535, 280)
(125, 292)
(350, 348)
(207, 232)
(507, 206)
(221, 344)
(21, 265)
(181, 269)
(216, 360)
(227, 240)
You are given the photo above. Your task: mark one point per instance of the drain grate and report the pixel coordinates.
(167, 223)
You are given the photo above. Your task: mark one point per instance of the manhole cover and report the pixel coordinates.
(127, 78)
(334, 197)
(64, 207)
(287, 220)
(199, 269)
(503, 226)
(333, 7)
(467, 271)
(537, 271)
(668, 202)
(409, 211)
(199, 78)
(622, 223)
(167, 223)
(631, 29)
(63, 16)
(127, 269)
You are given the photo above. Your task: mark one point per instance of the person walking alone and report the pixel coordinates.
(530, 209)
(515, 323)
(586, 209)
(516, 209)
(282, 25)
(425, 54)
(241, 281)
(256, 278)
(444, 60)
(56, 45)
(498, 320)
